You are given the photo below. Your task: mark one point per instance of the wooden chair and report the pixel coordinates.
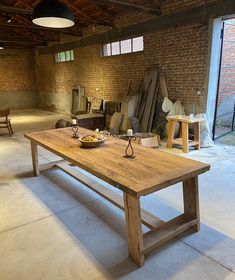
(5, 122)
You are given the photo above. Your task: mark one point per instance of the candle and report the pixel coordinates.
(129, 132)
(74, 121)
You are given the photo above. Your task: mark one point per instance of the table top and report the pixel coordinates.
(185, 119)
(149, 171)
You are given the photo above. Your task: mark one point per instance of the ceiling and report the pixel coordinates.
(17, 30)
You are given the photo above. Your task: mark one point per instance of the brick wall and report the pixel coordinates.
(180, 52)
(227, 81)
(17, 79)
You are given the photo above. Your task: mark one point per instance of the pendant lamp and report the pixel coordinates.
(52, 13)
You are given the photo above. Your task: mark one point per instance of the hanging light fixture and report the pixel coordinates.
(52, 13)
(1, 47)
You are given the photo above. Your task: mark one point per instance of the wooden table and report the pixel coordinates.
(149, 172)
(184, 141)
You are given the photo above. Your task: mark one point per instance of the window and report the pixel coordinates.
(138, 44)
(115, 48)
(124, 46)
(64, 56)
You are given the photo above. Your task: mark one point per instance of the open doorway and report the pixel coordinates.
(224, 116)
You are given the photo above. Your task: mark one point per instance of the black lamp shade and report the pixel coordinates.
(52, 13)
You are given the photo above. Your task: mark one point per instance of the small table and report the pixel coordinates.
(150, 171)
(184, 141)
(91, 121)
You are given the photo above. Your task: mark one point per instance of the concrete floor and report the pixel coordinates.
(53, 228)
(228, 139)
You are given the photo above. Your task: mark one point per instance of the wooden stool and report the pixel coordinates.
(5, 122)
(184, 141)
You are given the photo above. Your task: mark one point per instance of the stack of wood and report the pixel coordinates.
(148, 105)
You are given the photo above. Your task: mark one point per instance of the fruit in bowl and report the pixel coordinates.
(92, 140)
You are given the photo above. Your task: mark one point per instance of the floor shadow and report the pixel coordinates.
(101, 228)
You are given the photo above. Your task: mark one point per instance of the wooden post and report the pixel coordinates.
(197, 134)
(171, 132)
(34, 152)
(185, 137)
(133, 228)
(191, 200)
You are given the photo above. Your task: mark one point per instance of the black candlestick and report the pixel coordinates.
(75, 131)
(129, 152)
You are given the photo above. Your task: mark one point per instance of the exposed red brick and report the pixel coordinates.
(17, 70)
(180, 52)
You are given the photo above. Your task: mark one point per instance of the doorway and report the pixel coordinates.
(224, 117)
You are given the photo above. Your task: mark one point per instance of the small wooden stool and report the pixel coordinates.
(184, 141)
(5, 122)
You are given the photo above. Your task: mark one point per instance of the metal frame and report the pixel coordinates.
(218, 92)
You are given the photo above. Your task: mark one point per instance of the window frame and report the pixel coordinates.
(120, 48)
(68, 56)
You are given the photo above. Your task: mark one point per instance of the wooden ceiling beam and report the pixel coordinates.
(93, 21)
(34, 27)
(85, 17)
(29, 12)
(197, 15)
(14, 10)
(129, 6)
(103, 10)
(156, 3)
(22, 39)
(26, 44)
(23, 42)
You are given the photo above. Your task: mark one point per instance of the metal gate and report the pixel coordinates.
(225, 99)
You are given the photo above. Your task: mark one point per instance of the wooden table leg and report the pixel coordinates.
(185, 137)
(171, 132)
(197, 134)
(191, 200)
(34, 151)
(133, 228)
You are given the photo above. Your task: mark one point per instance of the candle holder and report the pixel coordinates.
(129, 152)
(74, 128)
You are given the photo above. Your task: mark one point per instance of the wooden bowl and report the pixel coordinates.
(91, 144)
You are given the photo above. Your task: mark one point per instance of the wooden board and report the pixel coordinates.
(171, 229)
(150, 171)
(186, 119)
(179, 141)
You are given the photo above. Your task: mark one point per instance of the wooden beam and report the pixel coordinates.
(171, 229)
(96, 22)
(148, 219)
(103, 10)
(21, 43)
(25, 36)
(29, 12)
(22, 40)
(191, 16)
(35, 27)
(14, 10)
(130, 6)
(85, 17)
